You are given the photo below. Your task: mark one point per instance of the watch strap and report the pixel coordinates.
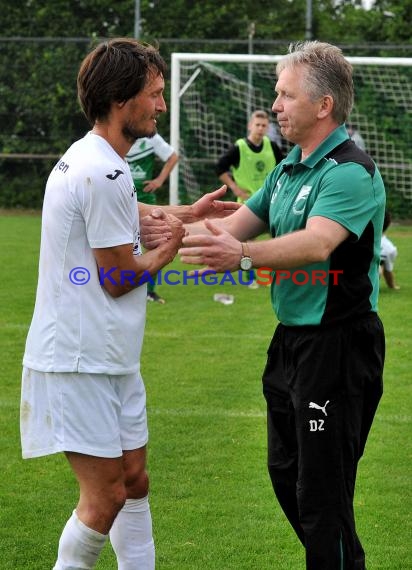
(245, 249)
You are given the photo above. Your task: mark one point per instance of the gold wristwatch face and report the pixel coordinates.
(246, 263)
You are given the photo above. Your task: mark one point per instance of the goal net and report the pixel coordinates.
(212, 96)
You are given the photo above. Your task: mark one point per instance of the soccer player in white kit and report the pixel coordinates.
(82, 392)
(389, 253)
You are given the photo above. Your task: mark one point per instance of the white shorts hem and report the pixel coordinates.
(105, 453)
(92, 414)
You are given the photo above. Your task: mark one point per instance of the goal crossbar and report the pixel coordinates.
(178, 90)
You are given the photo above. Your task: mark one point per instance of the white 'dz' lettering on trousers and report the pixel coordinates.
(317, 425)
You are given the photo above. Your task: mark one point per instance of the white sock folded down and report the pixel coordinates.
(131, 536)
(79, 546)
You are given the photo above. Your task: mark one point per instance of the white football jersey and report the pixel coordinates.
(77, 326)
(148, 146)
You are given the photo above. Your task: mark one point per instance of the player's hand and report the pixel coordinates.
(177, 229)
(218, 251)
(155, 229)
(151, 186)
(243, 194)
(209, 206)
(177, 233)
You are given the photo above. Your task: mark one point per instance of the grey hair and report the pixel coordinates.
(327, 72)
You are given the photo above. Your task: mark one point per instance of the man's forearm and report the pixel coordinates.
(209, 205)
(167, 168)
(183, 213)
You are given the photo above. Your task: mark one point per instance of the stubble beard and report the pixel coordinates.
(131, 134)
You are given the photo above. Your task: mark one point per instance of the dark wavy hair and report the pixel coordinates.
(115, 71)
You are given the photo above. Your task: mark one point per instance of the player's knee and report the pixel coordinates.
(119, 496)
(99, 510)
(137, 484)
(114, 500)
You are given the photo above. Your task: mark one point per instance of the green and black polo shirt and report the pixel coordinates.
(340, 182)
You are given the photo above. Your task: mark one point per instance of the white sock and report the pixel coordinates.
(79, 546)
(131, 536)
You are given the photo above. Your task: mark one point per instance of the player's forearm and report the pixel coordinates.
(122, 276)
(389, 279)
(167, 169)
(228, 180)
(231, 184)
(184, 213)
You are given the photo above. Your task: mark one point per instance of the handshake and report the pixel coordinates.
(159, 227)
(164, 229)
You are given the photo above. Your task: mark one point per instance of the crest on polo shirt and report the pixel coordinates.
(300, 202)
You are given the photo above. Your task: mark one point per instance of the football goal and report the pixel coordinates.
(212, 96)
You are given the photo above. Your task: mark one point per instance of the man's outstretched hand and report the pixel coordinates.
(218, 251)
(210, 206)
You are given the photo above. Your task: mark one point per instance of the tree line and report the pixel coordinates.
(43, 42)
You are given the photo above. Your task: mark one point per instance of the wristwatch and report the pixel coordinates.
(246, 262)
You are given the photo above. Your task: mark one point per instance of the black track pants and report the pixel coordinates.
(322, 387)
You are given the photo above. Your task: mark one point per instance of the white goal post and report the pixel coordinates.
(212, 96)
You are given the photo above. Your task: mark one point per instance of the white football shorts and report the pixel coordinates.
(94, 414)
(389, 253)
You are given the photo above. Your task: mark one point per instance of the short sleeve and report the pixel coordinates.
(106, 206)
(161, 148)
(347, 196)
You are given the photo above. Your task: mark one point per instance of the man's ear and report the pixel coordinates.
(326, 106)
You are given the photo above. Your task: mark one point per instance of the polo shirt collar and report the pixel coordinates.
(336, 137)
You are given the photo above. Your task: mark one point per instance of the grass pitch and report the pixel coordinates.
(211, 498)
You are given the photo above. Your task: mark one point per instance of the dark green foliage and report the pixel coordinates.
(23, 182)
(42, 43)
(395, 121)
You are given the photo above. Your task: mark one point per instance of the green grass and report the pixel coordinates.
(211, 499)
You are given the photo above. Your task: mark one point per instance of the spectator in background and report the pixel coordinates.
(244, 167)
(389, 253)
(141, 159)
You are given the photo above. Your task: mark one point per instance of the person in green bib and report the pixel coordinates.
(244, 167)
(324, 207)
(141, 158)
